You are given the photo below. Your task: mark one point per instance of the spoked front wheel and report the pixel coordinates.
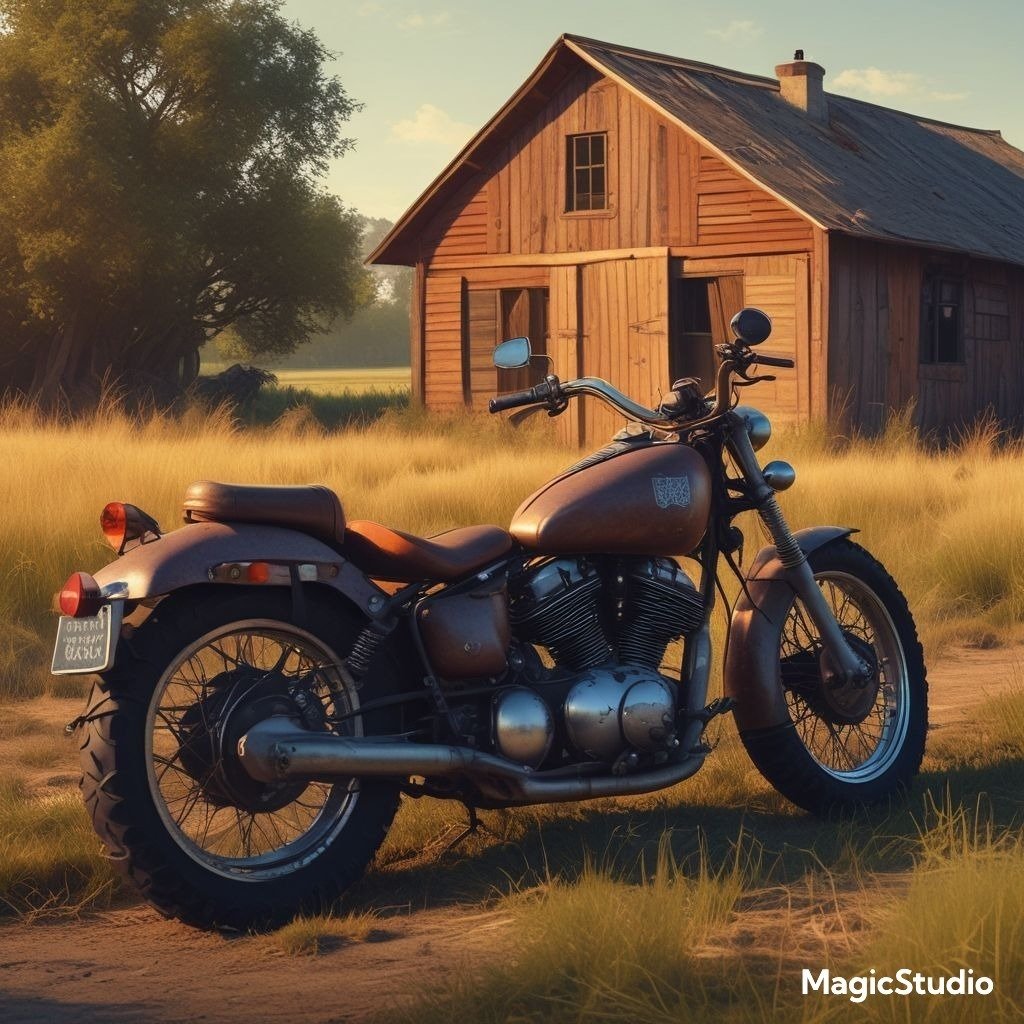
(847, 743)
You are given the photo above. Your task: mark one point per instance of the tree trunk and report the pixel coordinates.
(54, 362)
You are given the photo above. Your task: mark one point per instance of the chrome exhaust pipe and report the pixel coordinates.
(277, 749)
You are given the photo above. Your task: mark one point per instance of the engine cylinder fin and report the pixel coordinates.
(558, 610)
(663, 605)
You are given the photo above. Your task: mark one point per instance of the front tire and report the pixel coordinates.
(846, 746)
(201, 840)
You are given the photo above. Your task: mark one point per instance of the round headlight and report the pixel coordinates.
(759, 427)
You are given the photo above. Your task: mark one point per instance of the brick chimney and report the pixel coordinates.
(800, 83)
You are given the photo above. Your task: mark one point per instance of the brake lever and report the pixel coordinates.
(521, 415)
(747, 379)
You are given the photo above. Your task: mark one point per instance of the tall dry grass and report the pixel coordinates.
(413, 472)
(947, 524)
(50, 859)
(725, 941)
(593, 950)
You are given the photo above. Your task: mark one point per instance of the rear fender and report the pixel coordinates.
(752, 666)
(189, 556)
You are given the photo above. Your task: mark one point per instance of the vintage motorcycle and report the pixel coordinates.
(272, 678)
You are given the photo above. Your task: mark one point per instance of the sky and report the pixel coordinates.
(431, 74)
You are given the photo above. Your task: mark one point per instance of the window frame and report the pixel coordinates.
(571, 168)
(933, 280)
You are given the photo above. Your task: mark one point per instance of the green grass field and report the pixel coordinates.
(335, 381)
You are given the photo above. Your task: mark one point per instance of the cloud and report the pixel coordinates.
(416, 21)
(368, 10)
(878, 84)
(737, 31)
(431, 124)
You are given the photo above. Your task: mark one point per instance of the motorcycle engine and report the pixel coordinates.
(627, 613)
(606, 625)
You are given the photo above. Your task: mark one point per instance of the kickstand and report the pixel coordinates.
(473, 826)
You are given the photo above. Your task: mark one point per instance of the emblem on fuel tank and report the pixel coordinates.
(671, 490)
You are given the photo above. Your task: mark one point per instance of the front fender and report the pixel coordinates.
(751, 675)
(185, 557)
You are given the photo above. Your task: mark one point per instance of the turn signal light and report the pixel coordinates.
(258, 572)
(80, 597)
(121, 522)
(114, 524)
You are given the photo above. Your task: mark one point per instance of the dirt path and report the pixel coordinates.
(964, 678)
(130, 965)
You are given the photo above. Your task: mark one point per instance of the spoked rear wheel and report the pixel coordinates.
(847, 743)
(203, 840)
(204, 703)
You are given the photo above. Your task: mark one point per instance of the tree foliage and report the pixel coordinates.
(377, 335)
(159, 162)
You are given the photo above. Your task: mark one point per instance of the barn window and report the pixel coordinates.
(941, 319)
(586, 177)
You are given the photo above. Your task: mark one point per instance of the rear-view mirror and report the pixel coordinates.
(511, 354)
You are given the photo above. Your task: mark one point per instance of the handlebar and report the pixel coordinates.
(765, 360)
(556, 393)
(514, 399)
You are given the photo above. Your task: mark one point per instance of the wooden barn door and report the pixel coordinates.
(480, 376)
(565, 350)
(779, 286)
(624, 337)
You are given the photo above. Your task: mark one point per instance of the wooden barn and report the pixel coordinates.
(622, 205)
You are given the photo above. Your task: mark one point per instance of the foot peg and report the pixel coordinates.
(719, 706)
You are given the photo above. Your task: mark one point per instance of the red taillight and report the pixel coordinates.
(121, 522)
(114, 524)
(80, 596)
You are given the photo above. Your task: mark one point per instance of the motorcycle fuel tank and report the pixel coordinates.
(650, 500)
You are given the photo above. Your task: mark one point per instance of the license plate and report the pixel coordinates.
(87, 644)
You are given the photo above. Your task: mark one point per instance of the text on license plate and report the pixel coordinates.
(87, 644)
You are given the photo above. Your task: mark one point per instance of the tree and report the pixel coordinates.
(377, 335)
(159, 163)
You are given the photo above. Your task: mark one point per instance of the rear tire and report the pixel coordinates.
(823, 759)
(228, 880)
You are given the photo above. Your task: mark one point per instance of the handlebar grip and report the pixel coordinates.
(764, 360)
(513, 399)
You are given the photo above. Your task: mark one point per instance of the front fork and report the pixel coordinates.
(849, 665)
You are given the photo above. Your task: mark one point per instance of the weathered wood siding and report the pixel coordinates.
(731, 209)
(874, 338)
(442, 343)
(517, 205)
(461, 326)
(461, 227)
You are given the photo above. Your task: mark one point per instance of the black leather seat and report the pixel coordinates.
(313, 510)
